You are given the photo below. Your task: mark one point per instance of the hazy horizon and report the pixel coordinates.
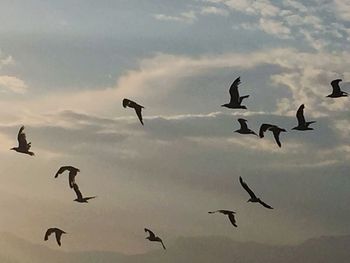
(66, 66)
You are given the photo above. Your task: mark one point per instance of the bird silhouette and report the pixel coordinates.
(236, 100)
(58, 232)
(23, 145)
(153, 237)
(253, 197)
(274, 129)
(137, 107)
(80, 198)
(71, 176)
(302, 124)
(244, 128)
(230, 214)
(337, 92)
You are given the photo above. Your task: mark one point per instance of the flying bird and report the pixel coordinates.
(244, 127)
(236, 100)
(71, 176)
(274, 129)
(80, 198)
(153, 237)
(302, 124)
(23, 145)
(337, 92)
(137, 107)
(230, 214)
(58, 232)
(253, 197)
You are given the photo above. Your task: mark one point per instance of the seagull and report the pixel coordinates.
(58, 232)
(275, 130)
(80, 198)
(253, 197)
(23, 146)
(236, 100)
(244, 128)
(337, 92)
(230, 214)
(137, 107)
(72, 173)
(153, 237)
(302, 124)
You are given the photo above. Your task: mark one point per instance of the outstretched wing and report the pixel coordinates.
(151, 234)
(161, 241)
(276, 135)
(245, 186)
(138, 111)
(300, 115)
(234, 90)
(231, 216)
(263, 128)
(243, 124)
(335, 85)
(48, 233)
(58, 237)
(62, 170)
(90, 197)
(77, 191)
(265, 205)
(71, 177)
(22, 140)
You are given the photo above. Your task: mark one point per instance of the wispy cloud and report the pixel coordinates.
(13, 84)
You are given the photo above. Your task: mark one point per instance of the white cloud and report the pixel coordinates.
(188, 17)
(275, 28)
(214, 10)
(10, 83)
(342, 8)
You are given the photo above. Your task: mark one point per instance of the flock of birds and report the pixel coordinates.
(235, 103)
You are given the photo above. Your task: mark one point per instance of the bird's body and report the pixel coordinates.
(337, 92)
(80, 198)
(153, 237)
(230, 214)
(274, 129)
(71, 176)
(253, 197)
(23, 145)
(236, 100)
(137, 107)
(58, 233)
(302, 124)
(244, 128)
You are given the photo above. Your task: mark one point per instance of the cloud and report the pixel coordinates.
(188, 17)
(13, 84)
(274, 28)
(343, 9)
(207, 10)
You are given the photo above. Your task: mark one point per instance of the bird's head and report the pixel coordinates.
(250, 200)
(294, 128)
(243, 107)
(14, 148)
(225, 105)
(147, 238)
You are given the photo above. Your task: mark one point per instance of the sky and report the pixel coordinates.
(65, 67)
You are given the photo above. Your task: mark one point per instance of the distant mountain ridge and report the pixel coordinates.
(191, 250)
